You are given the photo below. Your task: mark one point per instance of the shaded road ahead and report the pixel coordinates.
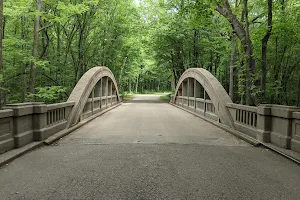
(148, 149)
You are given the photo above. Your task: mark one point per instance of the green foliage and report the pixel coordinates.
(165, 97)
(48, 95)
(147, 45)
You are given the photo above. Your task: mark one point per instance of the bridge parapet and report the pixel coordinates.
(96, 90)
(201, 106)
(21, 124)
(200, 92)
(275, 125)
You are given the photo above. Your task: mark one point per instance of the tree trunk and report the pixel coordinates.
(231, 83)
(196, 47)
(58, 53)
(35, 47)
(137, 84)
(121, 73)
(211, 62)
(1, 48)
(243, 35)
(264, 51)
(249, 52)
(173, 82)
(298, 104)
(129, 86)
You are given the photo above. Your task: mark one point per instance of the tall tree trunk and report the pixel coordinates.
(129, 86)
(1, 48)
(298, 104)
(264, 51)
(121, 73)
(211, 62)
(58, 53)
(196, 47)
(39, 4)
(249, 52)
(242, 33)
(231, 74)
(137, 83)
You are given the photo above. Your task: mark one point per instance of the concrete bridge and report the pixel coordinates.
(198, 146)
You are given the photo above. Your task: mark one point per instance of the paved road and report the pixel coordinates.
(147, 149)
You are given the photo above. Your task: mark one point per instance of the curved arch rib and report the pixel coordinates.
(83, 89)
(213, 88)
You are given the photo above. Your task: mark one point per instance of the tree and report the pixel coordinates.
(235, 40)
(32, 81)
(264, 50)
(1, 49)
(243, 34)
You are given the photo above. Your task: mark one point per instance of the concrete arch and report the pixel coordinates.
(83, 89)
(213, 88)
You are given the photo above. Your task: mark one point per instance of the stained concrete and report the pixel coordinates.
(147, 149)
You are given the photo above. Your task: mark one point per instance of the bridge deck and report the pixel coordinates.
(147, 149)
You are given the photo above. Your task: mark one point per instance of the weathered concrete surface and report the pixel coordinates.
(144, 150)
(212, 87)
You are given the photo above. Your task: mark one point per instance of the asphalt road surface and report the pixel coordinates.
(148, 149)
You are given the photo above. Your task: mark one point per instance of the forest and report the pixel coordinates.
(251, 46)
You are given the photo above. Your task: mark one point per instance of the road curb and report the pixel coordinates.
(9, 156)
(225, 128)
(283, 152)
(65, 132)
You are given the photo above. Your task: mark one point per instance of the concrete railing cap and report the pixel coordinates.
(6, 113)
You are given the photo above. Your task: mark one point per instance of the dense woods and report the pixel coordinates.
(251, 46)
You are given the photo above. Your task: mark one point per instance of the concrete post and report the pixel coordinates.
(39, 121)
(264, 122)
(106, 91)
(6, 130)
(295, 142)
(101, 93)
(204, 97)
(110, 92)
(282, 117)
(188, 92)
(28, 121)
(93, 101)
(274, 123)
(196, 89)
(184, 92)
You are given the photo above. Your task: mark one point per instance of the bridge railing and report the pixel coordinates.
(95, 93)
(295, 140)
(245, 118)
(23, 123)
(6, 130)
(201, 106)
(277, 125)
(97, 104)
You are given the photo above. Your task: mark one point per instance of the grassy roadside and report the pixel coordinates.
(166, 97)
(127, 97)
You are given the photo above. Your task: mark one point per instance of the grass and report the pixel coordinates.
(166, 97)
(127, 97)
(146, 92)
